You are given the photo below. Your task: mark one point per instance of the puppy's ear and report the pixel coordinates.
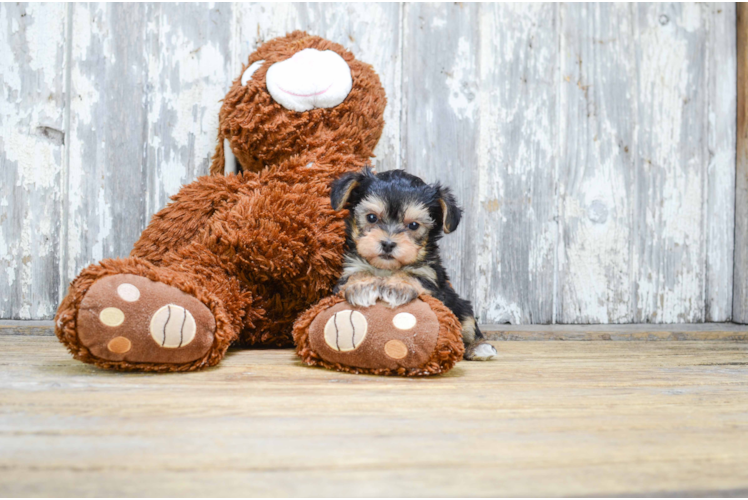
(342, 188)
(451, 213)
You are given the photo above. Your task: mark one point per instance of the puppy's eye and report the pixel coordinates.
(413, 226)
(371, 218)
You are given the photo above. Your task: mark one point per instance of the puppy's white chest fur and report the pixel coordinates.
(356, 265)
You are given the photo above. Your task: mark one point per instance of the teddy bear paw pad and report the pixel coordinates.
(130, 318)
(345, 330)
(376, 337)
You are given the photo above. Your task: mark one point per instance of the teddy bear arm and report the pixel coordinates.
(282, 233)
(188, 214)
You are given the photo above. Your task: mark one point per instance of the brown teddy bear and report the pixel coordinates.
(234, 259)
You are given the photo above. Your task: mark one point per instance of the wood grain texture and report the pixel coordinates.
(630, 332)
(592, 145)
(106, 182)
(32, 113)
(596, 163)
(720, 176)
(740, 297)
(511, 278)
(546, 419)
(190, 68)
(27, 327)
(648, 169)
(669, 246)
(479, 101)
(729, 332)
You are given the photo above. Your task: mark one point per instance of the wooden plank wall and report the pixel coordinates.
(740, 299)
(592, 145)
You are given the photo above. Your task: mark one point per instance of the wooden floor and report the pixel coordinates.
(546, 419)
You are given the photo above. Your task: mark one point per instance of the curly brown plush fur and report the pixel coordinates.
(260, 247)
(448, 351)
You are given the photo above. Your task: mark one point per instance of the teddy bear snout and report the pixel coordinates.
(310, 79)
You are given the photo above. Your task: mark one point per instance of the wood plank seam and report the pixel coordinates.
(649, 332)
(65, 175)
(740, 247)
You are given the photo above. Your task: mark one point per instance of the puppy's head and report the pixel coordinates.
(395, 218)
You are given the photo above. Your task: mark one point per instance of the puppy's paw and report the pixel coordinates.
(481, 351)
(396, 295)
(361, 294)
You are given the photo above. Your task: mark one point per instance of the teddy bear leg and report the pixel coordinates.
(128, 314)
(420, 338)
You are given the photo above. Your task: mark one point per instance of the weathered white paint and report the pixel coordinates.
(32, 60)
(513, 166)
(190, 68)
(669, 252)
(740, 280)
(106, 181)
(618, 121)
(592, 146)
(720, 176)
(598, 82)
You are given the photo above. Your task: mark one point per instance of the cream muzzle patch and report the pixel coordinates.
(310, 79)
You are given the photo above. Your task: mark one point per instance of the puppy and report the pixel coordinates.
(395, 223)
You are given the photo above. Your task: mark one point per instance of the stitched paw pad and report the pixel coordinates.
(376, 337)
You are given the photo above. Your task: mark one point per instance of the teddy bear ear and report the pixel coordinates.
(247, 75)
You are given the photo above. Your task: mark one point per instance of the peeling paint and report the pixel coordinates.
(461, 86)
(30, 164)
(438, 22)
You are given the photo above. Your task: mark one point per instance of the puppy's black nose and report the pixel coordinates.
(388, 246)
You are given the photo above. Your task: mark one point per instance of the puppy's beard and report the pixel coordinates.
(388, 264)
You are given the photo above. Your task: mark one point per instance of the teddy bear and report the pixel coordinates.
(238, 255)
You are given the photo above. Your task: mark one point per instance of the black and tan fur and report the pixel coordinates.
(396, 221)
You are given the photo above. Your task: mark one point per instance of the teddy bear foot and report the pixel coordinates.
(129, 318)
(420, 338)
